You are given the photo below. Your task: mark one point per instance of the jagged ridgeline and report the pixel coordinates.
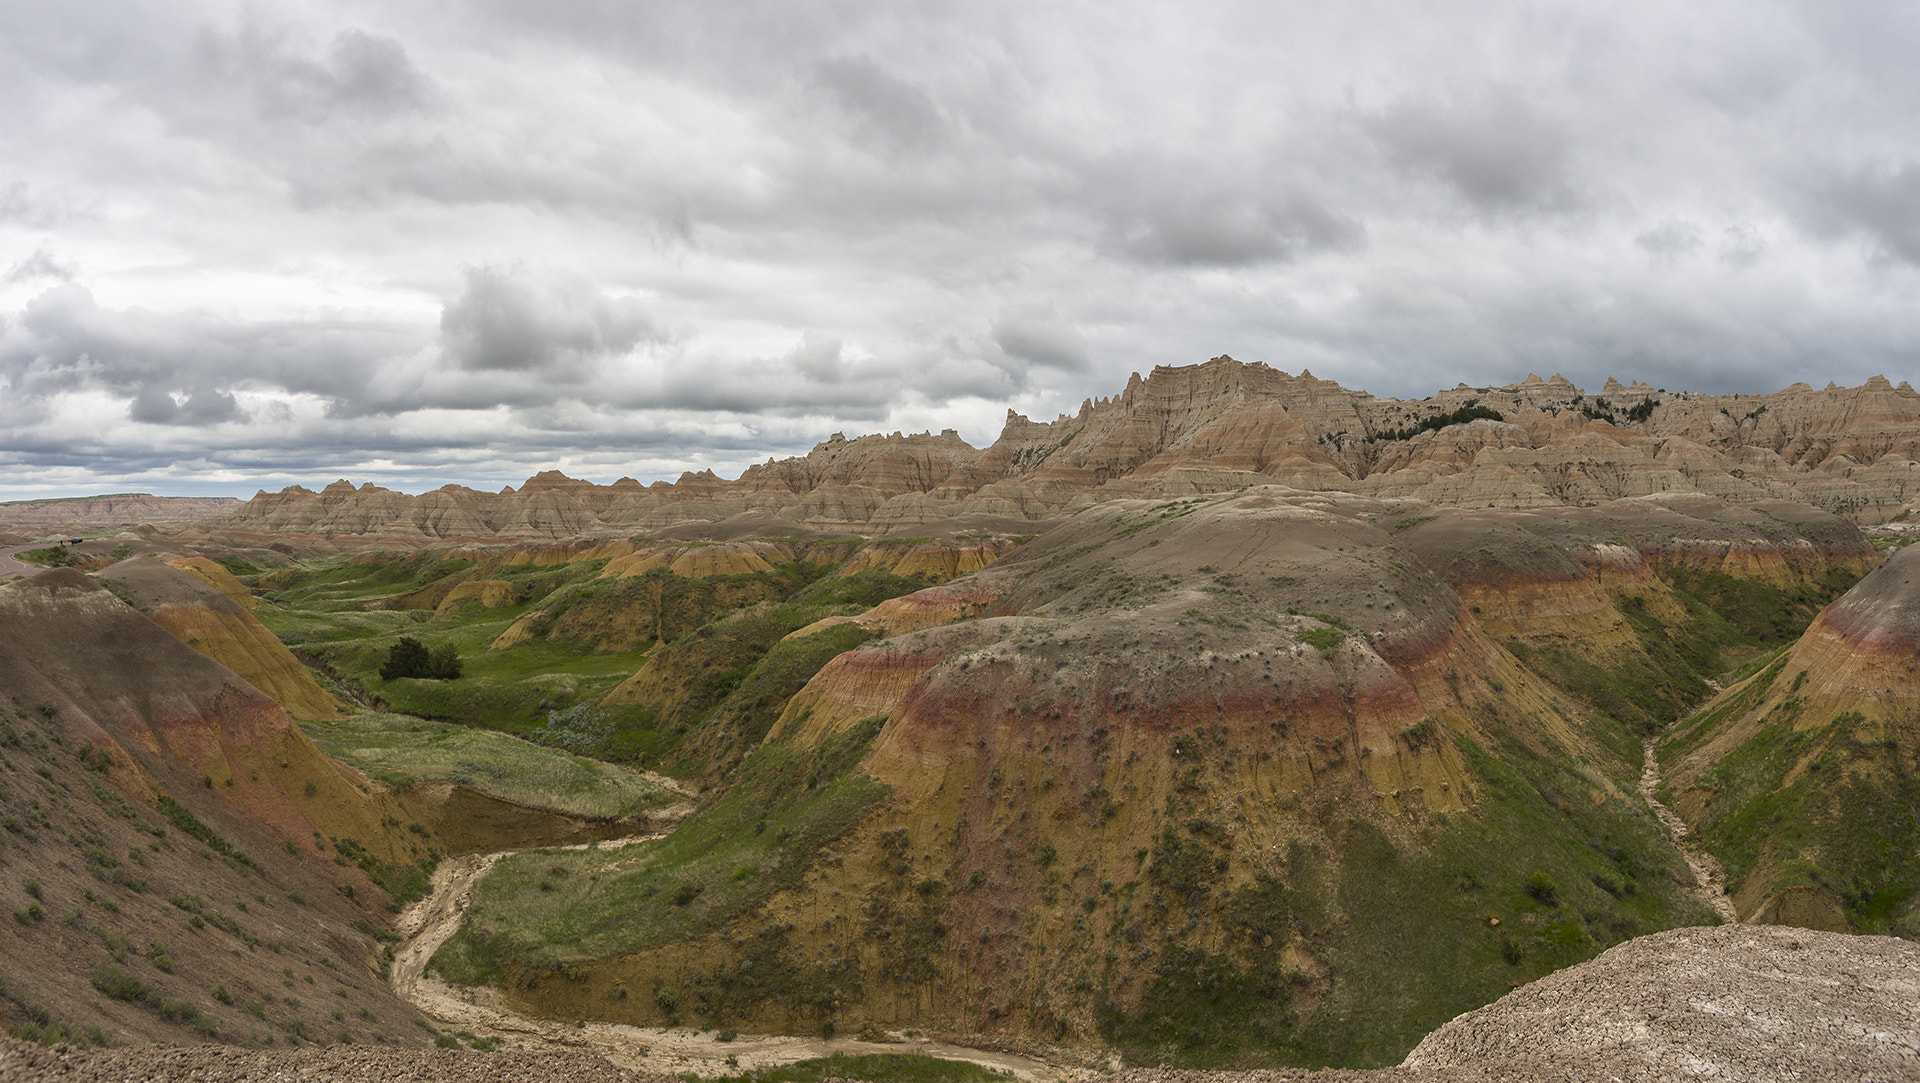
(1252, 777)
(1188, 429)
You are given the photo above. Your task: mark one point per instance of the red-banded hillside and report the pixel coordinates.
(1269, 775)
(216, 623)
(173, 812)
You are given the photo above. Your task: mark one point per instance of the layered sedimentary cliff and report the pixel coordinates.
(93, 513)
(201, 605)
(1212, 427)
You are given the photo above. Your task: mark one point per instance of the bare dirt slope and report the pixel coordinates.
(162, 820)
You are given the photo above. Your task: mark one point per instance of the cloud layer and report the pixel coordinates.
(250, 244)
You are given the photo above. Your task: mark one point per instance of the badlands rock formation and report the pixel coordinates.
(37, 518)
(1270, 776)
(218, 624)
(1213, 427)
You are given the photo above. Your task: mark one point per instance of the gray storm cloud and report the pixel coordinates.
(473, 242)
(1499, 153)
(508, 319)
(1036, 335)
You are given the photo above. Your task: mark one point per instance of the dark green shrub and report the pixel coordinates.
(408, 657)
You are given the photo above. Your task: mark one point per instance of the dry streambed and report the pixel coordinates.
(427, 924)
(1710, 882)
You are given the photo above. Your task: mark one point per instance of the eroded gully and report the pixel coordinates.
(1710, 883)
(427, 924)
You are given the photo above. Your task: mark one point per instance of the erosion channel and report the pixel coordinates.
(425, 926)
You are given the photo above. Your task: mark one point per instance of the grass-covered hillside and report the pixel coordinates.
(546, 639)
(401, 750)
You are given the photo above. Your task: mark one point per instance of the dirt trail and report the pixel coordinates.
(427, 924)
(1710, 883)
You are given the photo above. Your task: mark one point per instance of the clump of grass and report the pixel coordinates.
(1324, 640)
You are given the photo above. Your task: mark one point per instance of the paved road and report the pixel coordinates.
(11, 568)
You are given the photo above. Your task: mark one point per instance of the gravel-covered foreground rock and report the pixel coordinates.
(1731, 1003)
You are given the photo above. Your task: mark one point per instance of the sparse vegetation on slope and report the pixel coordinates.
(549, 911)
(400, 750)
(563, 640)
(1804, 781)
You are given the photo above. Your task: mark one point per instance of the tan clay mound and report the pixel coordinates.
(218, 578)
(1882, 612)
(1861, 652)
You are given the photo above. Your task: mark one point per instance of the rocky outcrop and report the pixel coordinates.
(1733, 1002)
(1215, 427)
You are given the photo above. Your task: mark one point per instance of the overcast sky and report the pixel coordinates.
(243, 245)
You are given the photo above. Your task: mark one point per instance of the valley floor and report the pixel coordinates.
(428, 923)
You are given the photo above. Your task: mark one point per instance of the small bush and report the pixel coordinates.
(117, 983)
(1541, 889)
